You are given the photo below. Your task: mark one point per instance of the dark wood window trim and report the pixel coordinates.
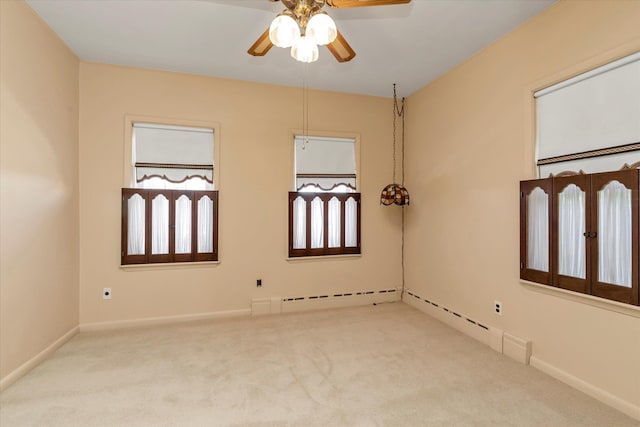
(308, 197)
(171, 256)
(590, 184)
(526, 187)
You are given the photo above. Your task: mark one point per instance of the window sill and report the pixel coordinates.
(609, 305)
(322, 258)
(170, 265)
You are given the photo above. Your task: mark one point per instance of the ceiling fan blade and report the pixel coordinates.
(362, 3)
(261, 46)
(341, 49)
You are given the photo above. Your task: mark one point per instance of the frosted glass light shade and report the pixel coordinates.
(284, 31)
(322, 29)
(305, 49)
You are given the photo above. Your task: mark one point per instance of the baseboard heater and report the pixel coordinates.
(276, 305)
(459, 321)
(500, 341)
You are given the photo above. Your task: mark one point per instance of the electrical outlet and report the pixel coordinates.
(106, 293)
(498, 307)
(259, 283)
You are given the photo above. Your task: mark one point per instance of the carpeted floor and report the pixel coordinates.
(384, 365)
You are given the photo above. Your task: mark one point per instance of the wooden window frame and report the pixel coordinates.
(325, 197)
(171, 257)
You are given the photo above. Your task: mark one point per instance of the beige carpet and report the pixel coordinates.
(384, 365)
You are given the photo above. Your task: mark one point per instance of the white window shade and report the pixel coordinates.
(325, 155)
(173, 152)
(325, 162)
(596, 110)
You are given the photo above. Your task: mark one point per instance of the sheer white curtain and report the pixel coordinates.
(538, 230)
(614, 239)
(160, 225)
(350, 223)
(299, 223)
(571, 226)
(136, 225)
(317, 223)
(205, 223)
(334, 223)
(183, 225)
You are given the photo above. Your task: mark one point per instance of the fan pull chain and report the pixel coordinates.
(305, 107)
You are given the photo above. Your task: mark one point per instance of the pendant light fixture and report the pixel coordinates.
(396, 193)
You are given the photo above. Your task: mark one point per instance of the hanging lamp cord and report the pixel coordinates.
(398, 111)
(395, 107)
(402, 151)
(401, 113)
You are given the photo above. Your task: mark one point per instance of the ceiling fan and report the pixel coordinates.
(304, 26)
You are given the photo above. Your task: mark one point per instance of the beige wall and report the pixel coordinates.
(39, 187)
(255, 176)
(470, 141)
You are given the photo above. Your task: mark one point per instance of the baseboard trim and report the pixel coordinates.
(23, 369)
(459, 321)
(163, 320)
(516, 348)
(587, 388)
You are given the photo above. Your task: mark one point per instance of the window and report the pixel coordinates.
(590, 122)
(592, 243)
(324, 209)
(171, 212)
(172, 157)
(578, 231)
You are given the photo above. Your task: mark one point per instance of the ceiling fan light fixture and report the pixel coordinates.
(284, 31)
(322, 29)
(305, 49)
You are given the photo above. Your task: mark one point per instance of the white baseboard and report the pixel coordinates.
(587, 388)
(151, 321)
(37, 359)
(516, 348)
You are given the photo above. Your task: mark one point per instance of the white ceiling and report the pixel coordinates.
(408, 44)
